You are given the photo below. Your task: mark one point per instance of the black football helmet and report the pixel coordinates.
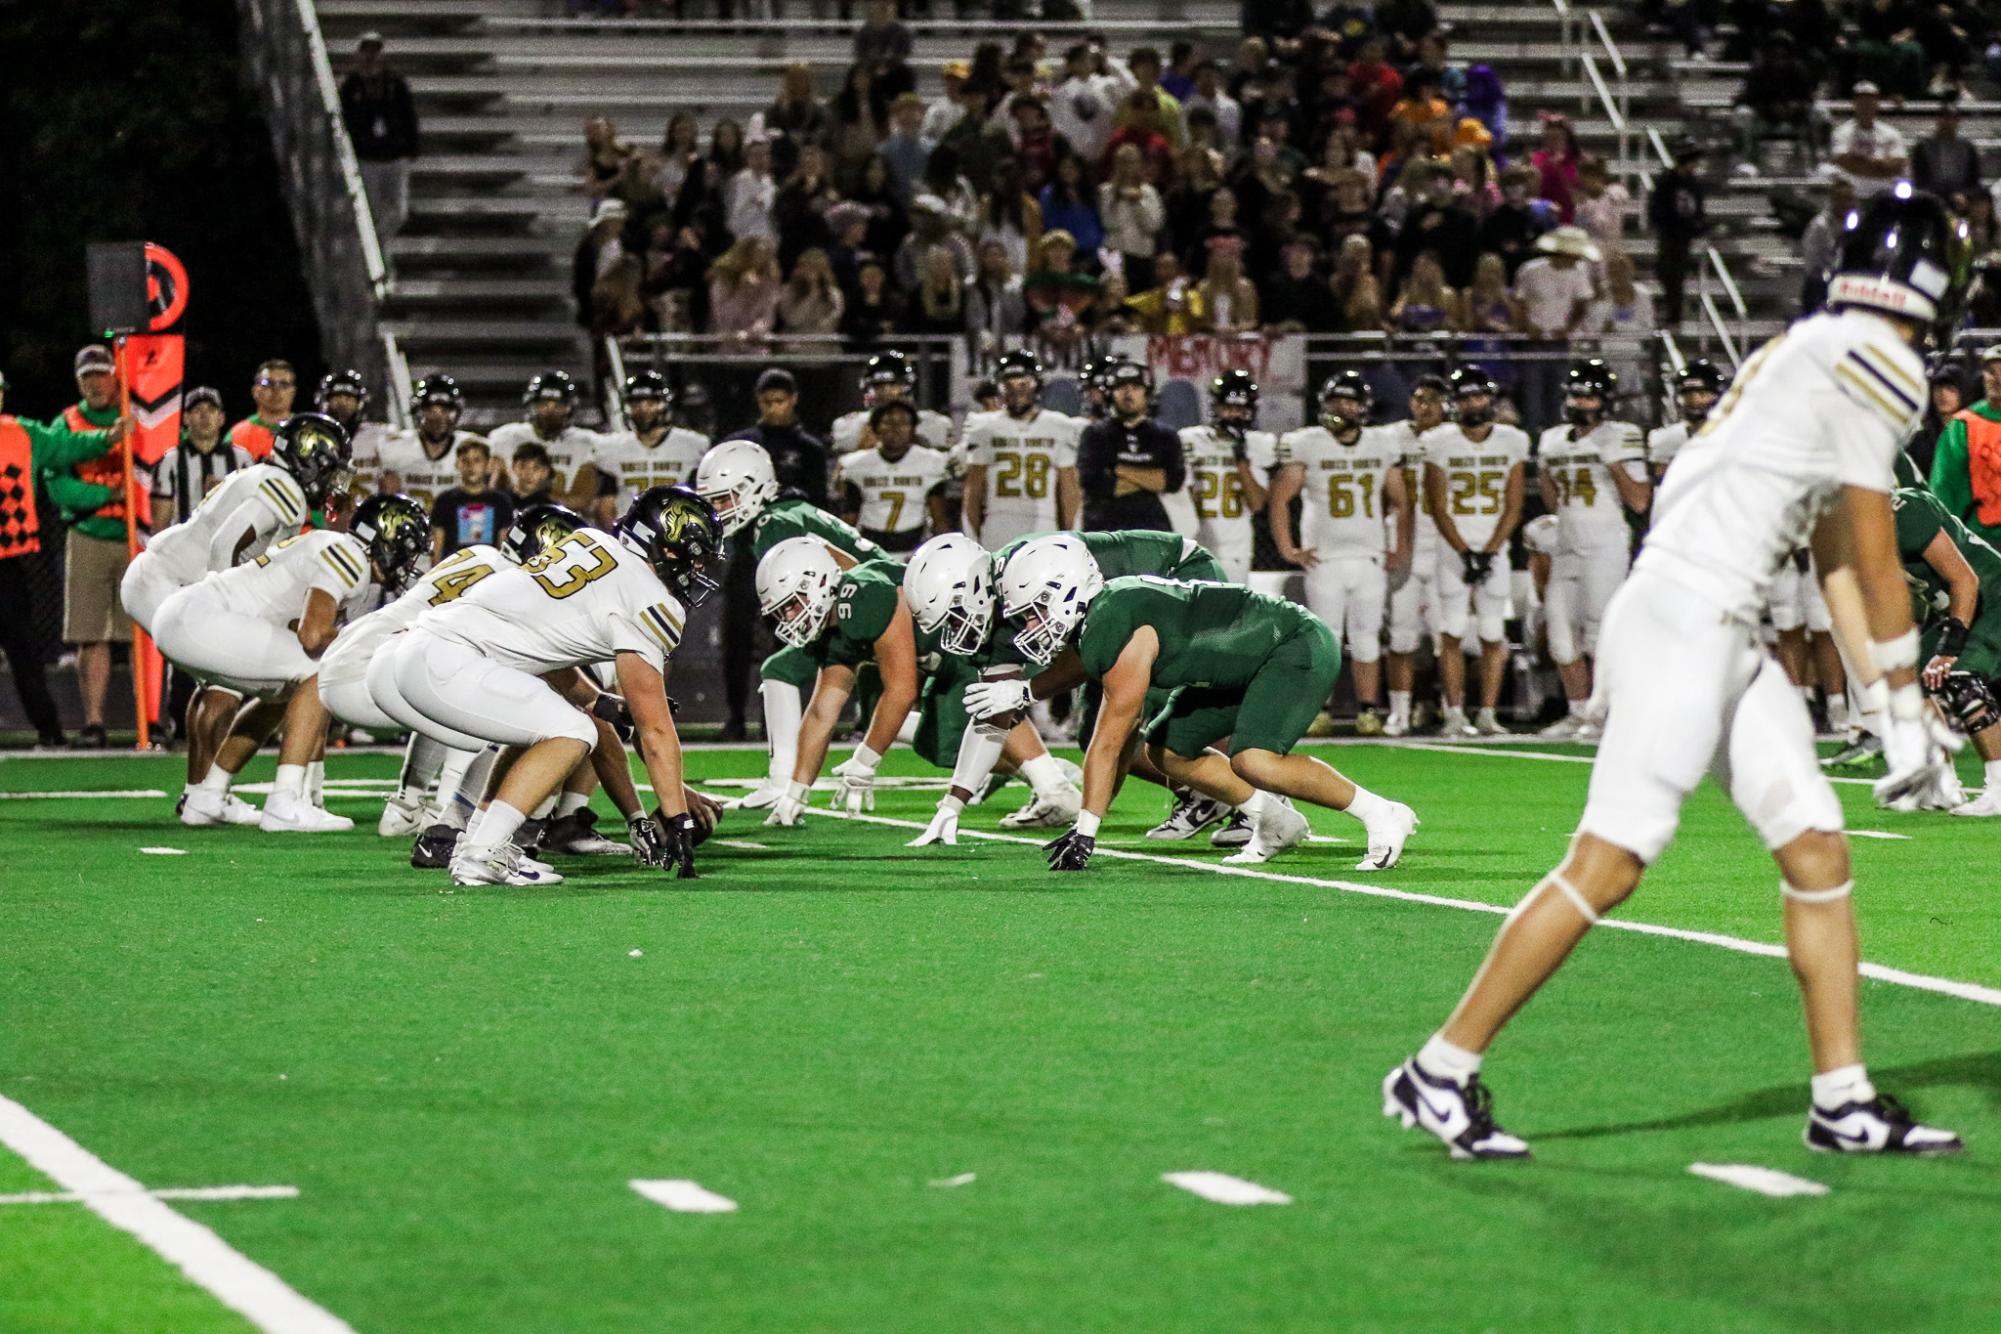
(648, 386)
(1348, 384)
(1236, 392)
(1698, 387)
(1589, 378)
(438, 391)
(537, 528)
(314, 448)
(1016, 365)
(678, 533)
(342, 382)
(888, 368)
(398, 532)
(1903, 253)
(550, 387)
(1472, 382)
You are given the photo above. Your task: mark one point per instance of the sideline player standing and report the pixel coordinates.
(1697, 388)
(1229, 461)
(1351, 475)
(1414, 589)
(1473, 470)
(551, 401)
(422, 462)
(1803, 444)
(888, 378)
(893, 490)
(654, 452)
(1591, 472)
(1021, 462)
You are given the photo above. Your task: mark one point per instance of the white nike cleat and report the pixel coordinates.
(1487, 724)
(1396, 725)
(1056, 810)
(1589, 733)
(1191, 815)
(1562, 729)
(1281, 828)
(576, 835)
(1987, 803)
(1388, 832)
(403, 818)
(762, 797)
(1881, 1125)
(502, 865)
(1460, 1114)
(1455, 724)
(201, 808)
(287, 813)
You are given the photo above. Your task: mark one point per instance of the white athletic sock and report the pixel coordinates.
(1439, 1057)
(495, 827)
(1806, 696)
(1577, 707)
(316, 782)
(1847, 1083)
(217, 780)
(291, 781)
(544, 807)
(1991, 775)
(1258, 807)
(1837, 712)
(1400, 704)
(783, 710)
(1871, 703)
(570, 803)
(1366, 806)
(1043, 774)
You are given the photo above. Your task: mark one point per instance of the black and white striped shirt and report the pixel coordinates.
(184, 475)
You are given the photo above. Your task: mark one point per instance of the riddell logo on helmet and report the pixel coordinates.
(1879, 294)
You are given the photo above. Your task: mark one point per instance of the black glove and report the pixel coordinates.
(612, 709)
(1475, 564)
(682, 836)
(1072, 852)
(649, 845)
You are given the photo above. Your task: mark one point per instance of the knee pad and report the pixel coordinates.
(1404, 639)
(1369, 648)
(1493, 627)
(1968, 701)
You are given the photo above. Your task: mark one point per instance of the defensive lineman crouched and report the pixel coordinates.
(1242, 665)
(1802, 446)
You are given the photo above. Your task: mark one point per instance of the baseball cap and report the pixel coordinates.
(93, 357)
(777, 378)
(201, 393)
(368, 39)
(1864, 87)
(1990, 353)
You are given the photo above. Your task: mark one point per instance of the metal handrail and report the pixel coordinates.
(1608, 103)
(402, 389)
(761, 27)
(350, 166)
(1722, 328)
(614, 404)
(1566, 28)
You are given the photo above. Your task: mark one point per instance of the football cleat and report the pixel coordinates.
(1368, 723)
(761, 797)
(529, 836)
(1388, 832)
(1486, 724)
(1281, 828)
(1987, 803)
(576, 835)
(290, 813)
(1455, 724)
(1881, 1125)
(401, 817)
(1057, 810)
(1396, 725)
(1235, 834)
(1563, 729)
(1589, 733)
(1862, 747)
(202, 807)
(433, 848)
(502, 865)
(1462, 1115)
(1192, 813)
(1323, 725)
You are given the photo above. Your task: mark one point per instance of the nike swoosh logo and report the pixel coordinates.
(1417, 1086)
(1859, 1140)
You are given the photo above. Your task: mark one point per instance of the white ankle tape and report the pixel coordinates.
(1577, 899)
(1840, 891)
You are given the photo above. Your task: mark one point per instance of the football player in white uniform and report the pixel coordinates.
(551, 400)
(343, 395)
(1800, 449)
(236, 522)
(1414, 589)
(422, 463)
(1697, 388)
(484, 667)
(1351, 480)
(655, 452)
(889, 378)
(1229, 463)
(1592, 472)
(1021, 462)
(894, 490)
(1473, 482)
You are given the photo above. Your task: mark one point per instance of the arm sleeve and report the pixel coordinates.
(54, 445)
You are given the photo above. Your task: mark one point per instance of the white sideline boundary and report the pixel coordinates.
(164, 1193)
(241, 1284)
(1943, 986)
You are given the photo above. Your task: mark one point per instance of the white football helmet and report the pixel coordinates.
(736, 478)
(796, 586)
(949, 584)
(1045, 588)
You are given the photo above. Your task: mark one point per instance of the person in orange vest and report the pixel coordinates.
(272, 388)
(90, 498)
(1966, 468)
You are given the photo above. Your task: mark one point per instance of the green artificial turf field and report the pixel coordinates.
(943, 1086)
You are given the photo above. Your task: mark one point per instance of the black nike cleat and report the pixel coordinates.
(1460, 1114)
(433, 849)
(1881, 1125)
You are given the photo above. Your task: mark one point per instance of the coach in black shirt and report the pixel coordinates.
(1126, 461)
(798, 457)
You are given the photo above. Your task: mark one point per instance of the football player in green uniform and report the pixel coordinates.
(1955, 579)
(1240, 665)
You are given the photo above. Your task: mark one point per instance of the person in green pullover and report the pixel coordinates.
(1966, 467)
(90, 498)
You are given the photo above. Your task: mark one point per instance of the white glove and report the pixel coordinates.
(992, 699)
(857, 775)
(1912, 752)
(944, 826)
(791, 807)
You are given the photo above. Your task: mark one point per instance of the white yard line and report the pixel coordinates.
(1222, 1188)
(684, 1197)
(166, 1193)
(244, 1286)
(1761, 1180)
(743, 843)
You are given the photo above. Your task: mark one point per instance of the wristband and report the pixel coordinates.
(950, 804)
(1899, 654)
(798, 791)
(865, 757)
(1952, 637)
(1087, 824)
(1907, 702)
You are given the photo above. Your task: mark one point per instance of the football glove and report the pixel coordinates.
(1475, 565)
(1072, 852)
(649, 845)
(857, 774)
(612, 709)
(994, 699)
(682, 834)
(944, 826)
(791, 807)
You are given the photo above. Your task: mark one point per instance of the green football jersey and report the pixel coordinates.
(1120, 555)
(1210, 634)
(864, 606)
(801, 518)
(1921, 516)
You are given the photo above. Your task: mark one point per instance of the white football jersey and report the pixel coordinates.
(365, 443)
(893, 494)
(1663, 443)
(635, 466)
(585, 600)
(572, 448)
(1341, 502)
(418, 475)
(1022, 456)
(263, 498)
(1824, 405)
(1590, 515)
(275, 586)
(1476, 474)
(442, 583)
(1222, 518)
(1424, 539)
(933, 429)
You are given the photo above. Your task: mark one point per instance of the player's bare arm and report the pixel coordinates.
(653, 731)
(1255, 492)
(318, 623)
(940, 512)
(1064, 673)
(1069, 497)
(1399, 494)
(1436, 505)
(1125, 699)
(1962, 594)
(974, 506)
(896, 659)
(1511, 509)
(1635, 493)
(1285, 489)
